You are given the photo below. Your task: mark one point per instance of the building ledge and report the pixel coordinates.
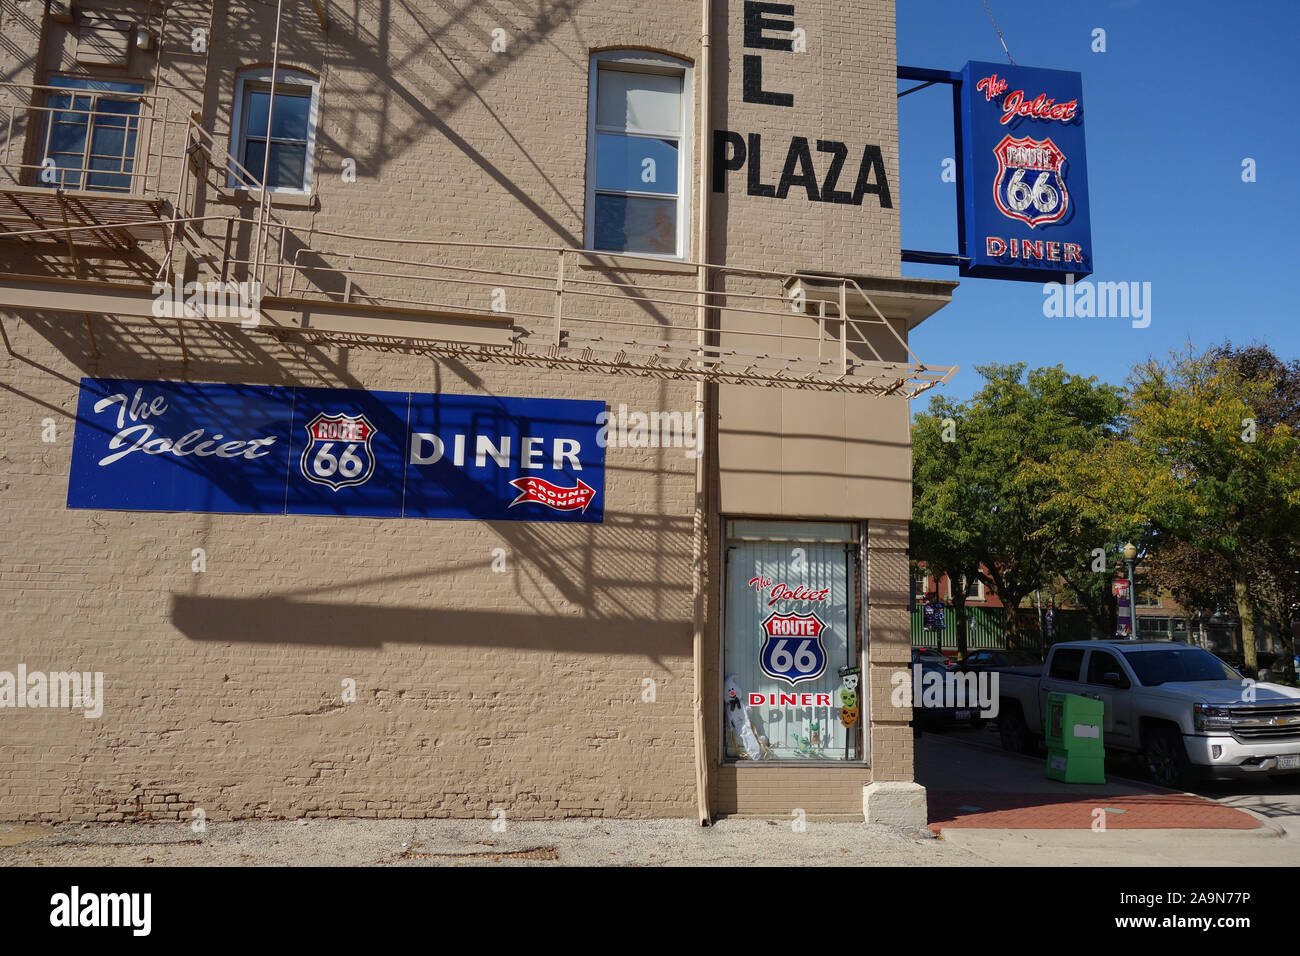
(908, 300)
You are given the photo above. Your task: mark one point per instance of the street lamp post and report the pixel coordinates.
(1130, 552)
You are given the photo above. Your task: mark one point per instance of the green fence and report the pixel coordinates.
(985, 627)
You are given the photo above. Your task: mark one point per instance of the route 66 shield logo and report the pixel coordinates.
(338, 452)
(1030, 184)
(792, 647)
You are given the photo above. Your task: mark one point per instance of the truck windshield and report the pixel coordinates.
(1177, 665)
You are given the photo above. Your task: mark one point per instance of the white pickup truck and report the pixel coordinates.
(1182, 709)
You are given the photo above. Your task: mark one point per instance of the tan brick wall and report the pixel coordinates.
(779, 791)
(889, 634)
(476, 690)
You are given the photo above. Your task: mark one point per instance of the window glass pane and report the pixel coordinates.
(649, 102)
(86, 83)
(792, 530)
(113, 112)
(633, 224)
(1099, 665)
(770, 632)
(1066, 663)
(113, 181)
(110, 141)
(288, 163)
(636, 163)
(66, 178)
(66, 135)
(291, 113)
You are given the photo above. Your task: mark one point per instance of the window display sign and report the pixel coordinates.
(789, 634)
(254, 449)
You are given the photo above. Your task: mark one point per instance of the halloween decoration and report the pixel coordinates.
(744, 738)
(849, 695)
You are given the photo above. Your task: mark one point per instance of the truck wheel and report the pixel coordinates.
(1013, 731)
(1166, 758)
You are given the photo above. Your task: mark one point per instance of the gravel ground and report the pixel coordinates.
(473, 842)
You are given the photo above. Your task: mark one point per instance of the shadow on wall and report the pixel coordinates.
(278, 620)
(604, 599)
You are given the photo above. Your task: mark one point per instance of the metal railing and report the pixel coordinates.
(73, 144)
(622, 312)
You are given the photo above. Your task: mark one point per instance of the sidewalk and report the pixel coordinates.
(973, 785)
(1003, 809)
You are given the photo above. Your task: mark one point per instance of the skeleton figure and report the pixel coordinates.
(747, 742)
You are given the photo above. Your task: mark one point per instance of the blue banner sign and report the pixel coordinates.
(1024, 174)
(255, 449)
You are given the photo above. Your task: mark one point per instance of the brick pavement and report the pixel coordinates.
(1054, 811)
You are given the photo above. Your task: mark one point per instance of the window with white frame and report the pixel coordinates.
(638, 154)
(281, 129)
(974, 588)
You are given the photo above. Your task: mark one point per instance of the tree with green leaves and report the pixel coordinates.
(984, 489)
(941, 535)
(1205, 460)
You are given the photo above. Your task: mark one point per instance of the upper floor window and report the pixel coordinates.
(283, 129)
(90, 134)
(974, 588)
(1147, 596)
(638, 154)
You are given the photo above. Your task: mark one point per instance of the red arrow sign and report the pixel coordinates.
(553, 496)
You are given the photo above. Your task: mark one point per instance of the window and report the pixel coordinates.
(790, 622)
(1065, 664)
(1178, 665)
(638, 154)
(1102, 663)
(289, 127)
(919, 591)
(91, 134)
(974, 589)
(1147, 596)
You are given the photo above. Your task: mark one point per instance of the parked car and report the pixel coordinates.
(996, 658)
(1183, 710)
(931, 661)
(926, 655)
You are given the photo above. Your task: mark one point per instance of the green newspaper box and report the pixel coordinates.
(1075, 750)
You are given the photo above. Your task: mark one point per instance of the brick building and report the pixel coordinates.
(442, 210)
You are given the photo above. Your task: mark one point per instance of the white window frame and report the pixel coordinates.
(643, 61)
(979, 590)
(260, 78)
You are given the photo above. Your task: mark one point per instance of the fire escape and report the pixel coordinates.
(104, 193)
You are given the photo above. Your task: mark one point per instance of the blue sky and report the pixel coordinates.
(1186, 90)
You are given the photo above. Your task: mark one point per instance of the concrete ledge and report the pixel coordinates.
(894, 803)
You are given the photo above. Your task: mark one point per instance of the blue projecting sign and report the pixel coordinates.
(1024, 174)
